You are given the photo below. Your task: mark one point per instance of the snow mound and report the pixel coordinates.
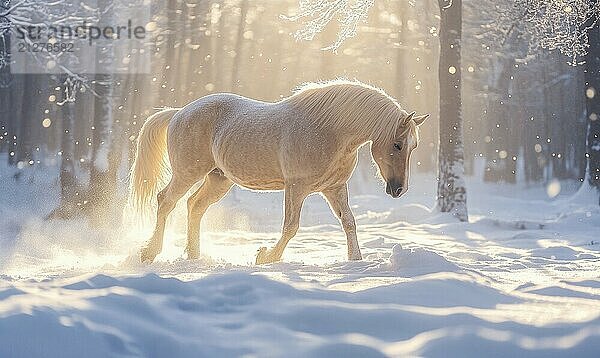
(559, 253)
(394, 215)
(418, 261)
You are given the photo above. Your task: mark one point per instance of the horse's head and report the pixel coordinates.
(392, 155)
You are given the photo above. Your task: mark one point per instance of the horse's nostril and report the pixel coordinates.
(398, 190)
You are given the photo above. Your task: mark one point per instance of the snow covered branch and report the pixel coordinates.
(16, 17)
(553, 25)
(316, 15)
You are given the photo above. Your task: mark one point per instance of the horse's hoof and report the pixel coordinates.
(264, 256)
(261, 256)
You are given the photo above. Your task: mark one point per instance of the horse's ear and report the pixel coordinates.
(409, 118)
(420, 119)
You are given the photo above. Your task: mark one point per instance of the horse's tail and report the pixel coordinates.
(150, 166)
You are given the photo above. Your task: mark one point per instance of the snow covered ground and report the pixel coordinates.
(522, 278)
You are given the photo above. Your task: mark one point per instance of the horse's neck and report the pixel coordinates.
(355, 135)
(354, 138)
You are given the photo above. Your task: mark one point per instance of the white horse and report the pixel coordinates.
(304, 144)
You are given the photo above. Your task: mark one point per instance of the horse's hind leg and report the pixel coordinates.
(338, 201)
(167, 199)
(215, 186)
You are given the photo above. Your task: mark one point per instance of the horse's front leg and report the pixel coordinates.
(338, 201)
(294, 197)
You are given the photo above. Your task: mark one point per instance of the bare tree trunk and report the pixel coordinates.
(12, 128)
(5, 88)
(220, 53)
(532, 152)
(103, 169)
(580, 146)
(499, 164)
(100, 181)
(68, 206)
(235, 69)
(68, 181)
(592, 92)
(25, 114)
(402, 75)
(452, 193)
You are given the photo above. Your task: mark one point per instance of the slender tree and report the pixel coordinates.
(452, 193)
(402, 53)
(6, 80)
(67, 207)
(105, 129)
(592, 95)
(239, 42)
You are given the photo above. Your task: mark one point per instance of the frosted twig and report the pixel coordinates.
(316, 15)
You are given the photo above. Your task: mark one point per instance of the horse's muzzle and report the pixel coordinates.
(394, 188)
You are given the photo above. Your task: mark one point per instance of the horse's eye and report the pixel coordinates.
(398, 146)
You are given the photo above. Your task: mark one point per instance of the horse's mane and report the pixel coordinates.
(353, 104)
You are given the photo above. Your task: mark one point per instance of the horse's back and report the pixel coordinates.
(191, 132)
(246, 143)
